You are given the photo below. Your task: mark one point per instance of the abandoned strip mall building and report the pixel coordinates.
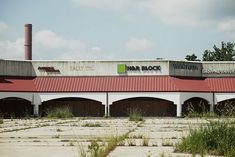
(98, 88)
(112, 88)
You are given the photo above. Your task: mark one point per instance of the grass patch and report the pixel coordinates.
(135, 115)
(216, 138)
(167, 143)
(65, 140)
(59, 130)
(71, 144)
(60, 113)
(1, 121)
(91, 125)
(137, 136)
(145, 141)
(56, 136)
(131, 142)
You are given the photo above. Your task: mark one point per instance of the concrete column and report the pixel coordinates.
(211, 107)
(36, 110)
(105, 110)
(179, 110)
(107, 106)
(108, 110)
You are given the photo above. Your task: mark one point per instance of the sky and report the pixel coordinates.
(115, 29)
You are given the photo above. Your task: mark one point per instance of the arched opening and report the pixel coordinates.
(195, 105)
(13, 107)
(225, 108)
(147, 106)
(80, 107)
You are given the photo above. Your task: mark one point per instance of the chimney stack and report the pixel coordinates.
(28, 41)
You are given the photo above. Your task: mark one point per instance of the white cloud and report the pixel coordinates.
(12, 49)
(49, 39)
(48, 45)
(228, 27)
(116, 5)
(3, 26)
(138, 44)
(180, 12)
(173, 12)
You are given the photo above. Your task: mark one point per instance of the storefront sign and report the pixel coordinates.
(215, 71)
(82, 68)
(49, 69)
(123, 68)
(184, 66)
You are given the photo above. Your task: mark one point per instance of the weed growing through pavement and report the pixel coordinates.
(56, 136)
(91, 124)
(96, 150)
(145, 141)
(121, 143)
(131, 142)
(59, 130)
(167, 142)
(137, 136)
(71, 143)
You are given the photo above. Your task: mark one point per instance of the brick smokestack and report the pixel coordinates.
(28, 41)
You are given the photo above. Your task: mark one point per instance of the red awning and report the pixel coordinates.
(117, 84)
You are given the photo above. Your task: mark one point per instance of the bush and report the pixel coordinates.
(217, 138)
(135, 115)
(60, 113)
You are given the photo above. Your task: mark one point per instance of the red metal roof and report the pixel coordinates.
(117, 84)
(191, 84)
(221, 84)
(17, 84)
(96, 84)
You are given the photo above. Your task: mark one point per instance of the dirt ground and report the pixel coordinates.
(64, 138)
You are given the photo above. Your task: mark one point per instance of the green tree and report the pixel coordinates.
(225, 53)
(192, 57)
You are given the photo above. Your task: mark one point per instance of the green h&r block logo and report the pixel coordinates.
(121, 68)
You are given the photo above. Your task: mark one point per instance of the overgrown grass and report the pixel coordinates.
(216, 138)
(192, 113)
(1, 121)
(60, 113)
(227, 109)
(135, 115)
